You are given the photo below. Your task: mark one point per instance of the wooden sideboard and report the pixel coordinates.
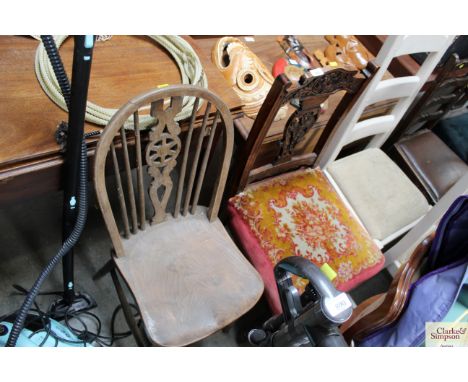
(30, 159)
(269, 51)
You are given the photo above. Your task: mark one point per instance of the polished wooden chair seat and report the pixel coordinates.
(184, 271)
(420, 143)
(187, 289)
(431, 163)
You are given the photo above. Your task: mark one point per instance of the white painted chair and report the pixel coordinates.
(381, 196)
(400, 251)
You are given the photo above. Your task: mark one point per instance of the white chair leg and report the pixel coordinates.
(426, 224)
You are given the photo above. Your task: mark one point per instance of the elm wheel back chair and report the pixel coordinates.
(426, 158)
(187, 276)
(289, 211)
(381, 196)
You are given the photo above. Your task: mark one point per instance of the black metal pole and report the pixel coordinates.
(82, 58)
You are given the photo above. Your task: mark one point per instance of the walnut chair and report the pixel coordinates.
(378, 192)
(186, 275)
(281, 209)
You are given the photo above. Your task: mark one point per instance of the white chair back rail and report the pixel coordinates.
(404, 89)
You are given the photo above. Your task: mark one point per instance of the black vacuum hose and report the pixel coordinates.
(66, 247)
(70, 242)
(57, 65)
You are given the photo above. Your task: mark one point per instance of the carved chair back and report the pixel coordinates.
(176, 156)
(447, 92)
(306, 97)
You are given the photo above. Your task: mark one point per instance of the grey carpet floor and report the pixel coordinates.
(30, 234)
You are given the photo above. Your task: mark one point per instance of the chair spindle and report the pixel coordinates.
(140, 189)
(123, 206)
(128, 172)
(185, 158)
(195, 159)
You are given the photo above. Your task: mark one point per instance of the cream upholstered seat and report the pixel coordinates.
(380, 193)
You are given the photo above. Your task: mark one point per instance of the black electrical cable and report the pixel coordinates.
(57, 65)
(85, 336)
(90, 336)
(24, 291)
(67, 245)
(48, 330)
(70, 242)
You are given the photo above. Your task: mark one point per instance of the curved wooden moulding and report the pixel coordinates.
(384, 309)
(245, 73)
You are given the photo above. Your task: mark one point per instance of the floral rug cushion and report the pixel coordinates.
(300, 213)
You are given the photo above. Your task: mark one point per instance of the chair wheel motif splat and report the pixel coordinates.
(162, 152)
(187, 276)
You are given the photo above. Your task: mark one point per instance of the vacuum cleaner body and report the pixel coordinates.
(310, 319)
(55, 335)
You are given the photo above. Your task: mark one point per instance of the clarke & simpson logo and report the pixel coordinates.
(446, 334)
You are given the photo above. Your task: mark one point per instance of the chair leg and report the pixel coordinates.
(106, 268)
(139, 338)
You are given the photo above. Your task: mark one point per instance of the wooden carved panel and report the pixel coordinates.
(455, 94)
(303, 119)
(299, 123)
(161, 154)
(326, 84)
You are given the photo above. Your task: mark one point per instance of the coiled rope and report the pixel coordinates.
(189, 64)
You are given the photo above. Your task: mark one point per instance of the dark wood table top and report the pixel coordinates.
(122, 67)
(269, 51)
